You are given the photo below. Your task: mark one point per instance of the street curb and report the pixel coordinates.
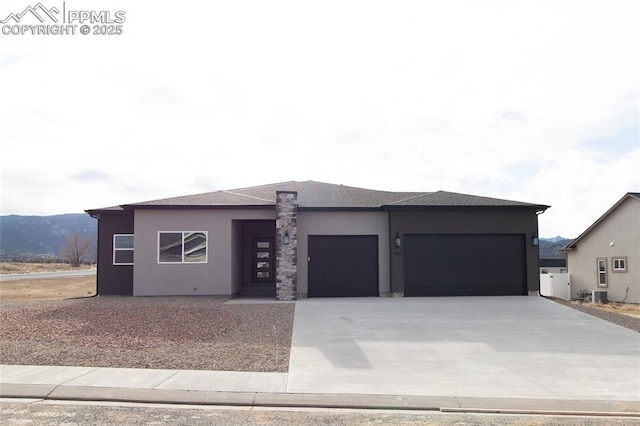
(344, 401)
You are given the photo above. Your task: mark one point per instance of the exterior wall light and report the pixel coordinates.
(535, 241)
(285, 238)
(398, 241)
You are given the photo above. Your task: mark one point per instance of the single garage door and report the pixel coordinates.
(464, 265)
(343, 265)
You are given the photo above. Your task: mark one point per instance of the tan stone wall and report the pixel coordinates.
(286, 253)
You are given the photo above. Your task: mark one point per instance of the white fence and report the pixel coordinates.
(555, 285)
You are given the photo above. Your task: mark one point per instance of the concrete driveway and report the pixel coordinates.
(493, 347)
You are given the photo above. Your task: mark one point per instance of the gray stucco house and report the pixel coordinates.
(606, 256)
(311, 239)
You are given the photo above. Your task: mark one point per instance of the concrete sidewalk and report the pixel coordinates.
(256, 389)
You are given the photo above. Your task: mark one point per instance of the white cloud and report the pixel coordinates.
(498, 98)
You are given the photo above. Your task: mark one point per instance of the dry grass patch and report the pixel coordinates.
(26, 267)
(630, 309)
(57, 288)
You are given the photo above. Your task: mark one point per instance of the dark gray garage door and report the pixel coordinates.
(343, 265)
(464, 265)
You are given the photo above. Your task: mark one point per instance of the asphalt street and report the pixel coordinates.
(38, 412)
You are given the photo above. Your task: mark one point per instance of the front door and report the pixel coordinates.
(263, 260)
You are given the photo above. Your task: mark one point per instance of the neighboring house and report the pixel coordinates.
(607, 255)
(311, 239)
(553, 265)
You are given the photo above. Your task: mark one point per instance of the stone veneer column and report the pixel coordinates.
(286, 254)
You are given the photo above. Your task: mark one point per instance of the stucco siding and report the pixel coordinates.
(622, 228)
(113, 279)
(215, 277)
(343, 223)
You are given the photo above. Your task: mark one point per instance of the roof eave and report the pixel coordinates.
(536, 208)
(339, 209)
(95, 213)
(196, 207)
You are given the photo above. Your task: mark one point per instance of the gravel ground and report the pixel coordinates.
(620, 319)
(190, 333)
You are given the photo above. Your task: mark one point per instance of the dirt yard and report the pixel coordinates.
(630, 309)
(42, 289)
(39, 327)
(190, 333)
(25, 267)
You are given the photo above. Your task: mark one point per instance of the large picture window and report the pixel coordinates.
(123, 249)
(182, 247)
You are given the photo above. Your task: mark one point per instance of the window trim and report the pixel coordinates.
(182, 262)
(113, 254)
(603, 261)
(618, 259)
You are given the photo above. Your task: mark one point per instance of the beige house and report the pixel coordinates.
(606, 256)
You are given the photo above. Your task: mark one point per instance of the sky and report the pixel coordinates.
(535, 101)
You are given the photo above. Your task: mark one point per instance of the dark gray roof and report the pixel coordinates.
(446, 199)
(319, 195)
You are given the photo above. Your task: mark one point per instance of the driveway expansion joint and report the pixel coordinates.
(165, 380)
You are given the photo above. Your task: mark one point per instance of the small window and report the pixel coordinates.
(123, 249)
(602, 272)
(182, 247)
(619, 264)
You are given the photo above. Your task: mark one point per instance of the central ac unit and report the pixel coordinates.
(599, 296)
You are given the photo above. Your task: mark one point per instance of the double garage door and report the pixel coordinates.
(464, 265)
(434, 265)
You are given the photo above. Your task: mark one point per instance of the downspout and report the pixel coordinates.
(536, 236)
(390, 245)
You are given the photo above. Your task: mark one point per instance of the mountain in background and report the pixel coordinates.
(39, 238)
(550, 247)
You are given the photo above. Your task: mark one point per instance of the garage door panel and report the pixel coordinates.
(464, 265)
(344, 265)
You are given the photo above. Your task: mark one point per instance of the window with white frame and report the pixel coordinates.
(123, 249)
(602, 272)
(182, 247)
(619, 264)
